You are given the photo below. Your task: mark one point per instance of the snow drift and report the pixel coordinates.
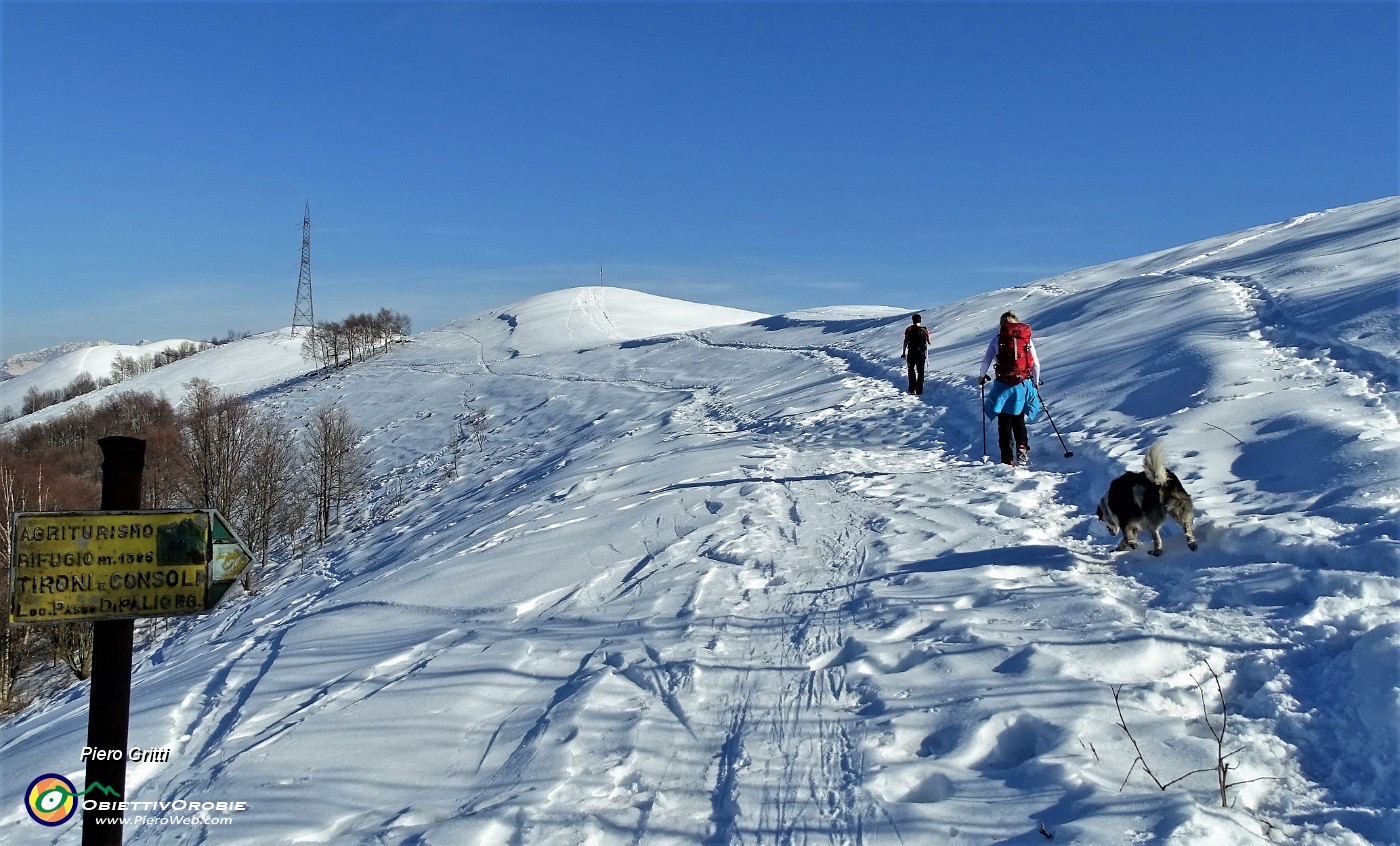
(730, 585)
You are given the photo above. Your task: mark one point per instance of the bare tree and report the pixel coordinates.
(473, 424)
(325, 344)
(1223, 765)
(216, 448)
(275, 493)
(15, 641)
(360, 331)
(24, 487)
(246, 466)
(83, 383)
(336, 466)
(392, 325)
(183, 350)
(72, 646)
(151, 417)
(356, 338)
(35, 399)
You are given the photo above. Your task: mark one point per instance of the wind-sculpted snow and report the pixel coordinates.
(731, 586)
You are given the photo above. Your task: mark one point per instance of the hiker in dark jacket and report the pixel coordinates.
(915, 352)
(1013, 399)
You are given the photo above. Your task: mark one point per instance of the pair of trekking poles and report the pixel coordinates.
(982, 385)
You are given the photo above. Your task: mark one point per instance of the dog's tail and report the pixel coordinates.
(1155, 465)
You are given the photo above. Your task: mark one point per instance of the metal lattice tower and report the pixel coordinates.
(305, 314)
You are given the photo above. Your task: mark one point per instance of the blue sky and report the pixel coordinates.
(771, 156)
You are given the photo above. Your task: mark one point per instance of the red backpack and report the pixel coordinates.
(916, 337)
(1015, 364)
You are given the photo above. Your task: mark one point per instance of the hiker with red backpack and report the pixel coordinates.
(1013, 399)
(915, 352)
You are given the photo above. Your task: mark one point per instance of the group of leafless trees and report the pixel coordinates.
(268, 480)
(35, 399)
(355, 338)
(264, 478)
(126, 366)
(123, 367)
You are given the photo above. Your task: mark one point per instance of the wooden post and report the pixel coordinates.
(109, 703)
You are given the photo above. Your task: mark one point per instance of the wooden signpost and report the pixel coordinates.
(110, 567)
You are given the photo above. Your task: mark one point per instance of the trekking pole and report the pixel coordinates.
(1068, 454)
(982, 412)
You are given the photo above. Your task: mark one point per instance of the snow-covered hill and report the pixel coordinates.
(22, 363)
(243, 368)
(54, 368)
(563, 320)
(582, 318)
(730, 585)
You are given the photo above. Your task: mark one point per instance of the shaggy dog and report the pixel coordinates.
(1138, 502)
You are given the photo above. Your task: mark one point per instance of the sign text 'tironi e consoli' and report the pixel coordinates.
(103, 565)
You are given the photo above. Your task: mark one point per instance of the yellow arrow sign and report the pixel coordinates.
(227, 560)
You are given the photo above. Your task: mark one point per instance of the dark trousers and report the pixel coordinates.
(1011, 433)
(916, 373)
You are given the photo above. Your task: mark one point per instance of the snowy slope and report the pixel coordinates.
(731, 586)
(22, 363)
(580, 318)
(53, 372)
(242, 367)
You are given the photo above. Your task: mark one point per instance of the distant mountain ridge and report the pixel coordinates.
(22, 363)
(58, 366)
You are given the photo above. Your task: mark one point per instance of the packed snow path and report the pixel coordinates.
(725, 659)
(799, 619)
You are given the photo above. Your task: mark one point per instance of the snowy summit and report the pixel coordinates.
(713, 578)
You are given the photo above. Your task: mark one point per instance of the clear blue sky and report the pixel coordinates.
(771, 156)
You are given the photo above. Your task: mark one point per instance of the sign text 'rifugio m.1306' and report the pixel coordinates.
(104, 565)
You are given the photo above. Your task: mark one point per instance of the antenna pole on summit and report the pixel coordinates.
(304, 314)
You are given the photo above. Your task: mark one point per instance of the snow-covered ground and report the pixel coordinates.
(730, 585)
